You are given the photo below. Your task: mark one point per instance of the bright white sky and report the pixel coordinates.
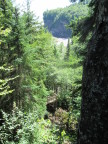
(39, 6)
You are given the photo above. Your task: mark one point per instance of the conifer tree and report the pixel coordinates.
(16, 56)
(6, 9)
(66, 57)
(93, 126)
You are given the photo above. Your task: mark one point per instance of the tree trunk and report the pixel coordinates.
(93, 126)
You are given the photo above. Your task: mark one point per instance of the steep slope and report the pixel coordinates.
(57, 20)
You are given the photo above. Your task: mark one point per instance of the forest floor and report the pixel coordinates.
(59, 119)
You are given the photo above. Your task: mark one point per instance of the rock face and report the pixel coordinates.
(58, 29)
(57, 21)
(57, 25)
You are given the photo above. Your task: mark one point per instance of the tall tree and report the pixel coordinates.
(93, 126)
(16, 56)
(6, 20)
(67, 51)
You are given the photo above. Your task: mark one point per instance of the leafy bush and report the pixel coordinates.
(21, 128)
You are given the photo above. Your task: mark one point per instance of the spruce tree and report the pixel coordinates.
(66, 57)
(6, 10)
(93, 126)
(16, 56)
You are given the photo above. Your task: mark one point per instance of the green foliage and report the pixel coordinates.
(28, 49)
(4, 84)
(23, 128)
(34, 67)
(81, 1)
(63, 76)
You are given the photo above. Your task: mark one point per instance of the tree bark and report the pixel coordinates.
(93, 126)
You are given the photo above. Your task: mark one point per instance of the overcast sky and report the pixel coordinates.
(39, 6)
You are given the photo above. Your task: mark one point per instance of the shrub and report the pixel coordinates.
(21, 128)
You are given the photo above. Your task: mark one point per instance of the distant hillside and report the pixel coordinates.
(57, 19)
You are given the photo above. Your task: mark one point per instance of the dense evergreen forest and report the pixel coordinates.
(50, 93)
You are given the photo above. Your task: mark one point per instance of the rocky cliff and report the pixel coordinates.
(57, 20)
